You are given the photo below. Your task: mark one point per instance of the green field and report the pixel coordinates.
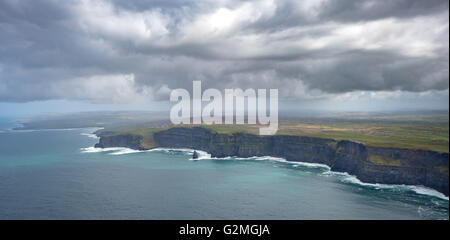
(398, 135)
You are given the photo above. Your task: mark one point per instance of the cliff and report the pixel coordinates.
(369, 164)
(120, 140)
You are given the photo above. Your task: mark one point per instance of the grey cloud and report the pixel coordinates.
(287, 13)
(47, 47)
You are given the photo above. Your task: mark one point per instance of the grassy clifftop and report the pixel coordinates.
(421, 135)
(409, 135)
(147, 141)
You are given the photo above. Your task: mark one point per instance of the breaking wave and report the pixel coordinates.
(185, 151)
(96, 150)
(111, 151)
(351, 179)
(91, 135)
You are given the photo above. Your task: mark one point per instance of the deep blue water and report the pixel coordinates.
(53, 174)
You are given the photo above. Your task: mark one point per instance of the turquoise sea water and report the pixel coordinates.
(56, 174)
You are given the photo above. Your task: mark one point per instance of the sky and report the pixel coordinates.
(327, 54)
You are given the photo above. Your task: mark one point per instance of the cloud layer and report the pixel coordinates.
(127, 51)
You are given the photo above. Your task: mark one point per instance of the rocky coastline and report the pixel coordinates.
(369, 164)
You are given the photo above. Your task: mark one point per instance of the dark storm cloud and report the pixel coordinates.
(348, 10)
(121, 51)
(287, 14)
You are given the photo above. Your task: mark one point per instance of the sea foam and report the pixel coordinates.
(125, 151)
(351, 179)
(111, 150)
(91, 135)
(96, 150)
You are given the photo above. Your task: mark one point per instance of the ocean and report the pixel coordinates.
(57, 174)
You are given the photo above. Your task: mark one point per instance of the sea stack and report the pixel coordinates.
(195, 155)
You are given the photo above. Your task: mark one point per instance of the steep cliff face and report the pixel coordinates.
(369, 164)
(417, 167)
(349, 157)
(123, 140)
